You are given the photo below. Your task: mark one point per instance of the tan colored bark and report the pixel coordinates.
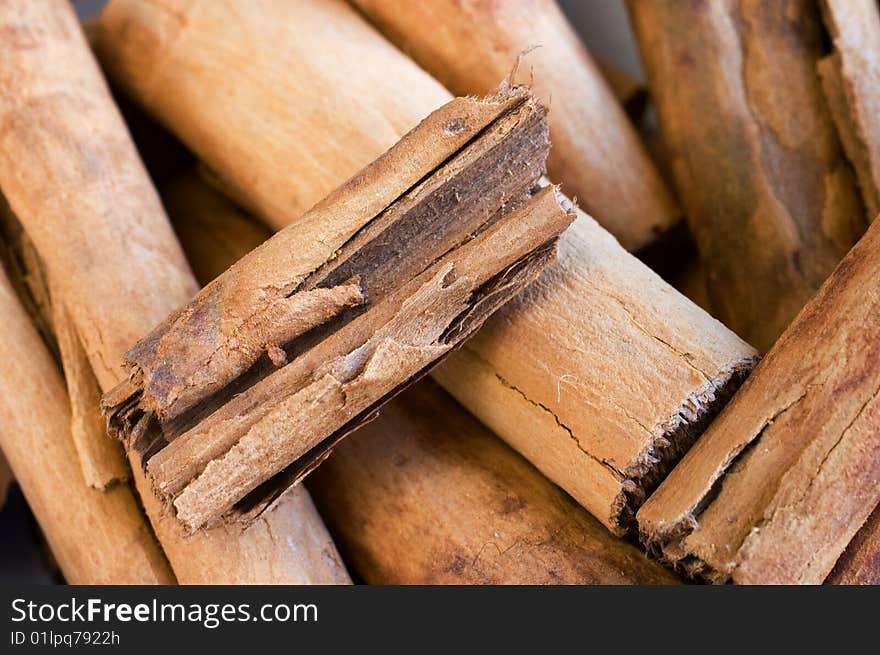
(72, 177)
(471, 46)
(787, 474)
(97, 537)
(761, 175)
(647, 424)
(614, 377)
(851, 80)
(301, 85)
(427, 495)
(101, 457)
(426, 242)
(434, 486)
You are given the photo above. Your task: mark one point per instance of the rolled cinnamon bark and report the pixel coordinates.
(73, 178)
(760, 172)
(383, 277)
(423, 491)
(97, 537)
(605, 401)
(783, 479)
(471, 46)
(306, 87)
(852, 88)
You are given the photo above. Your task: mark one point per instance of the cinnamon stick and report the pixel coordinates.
(97, 537)
(72, 177)
(758, 186)
(433, 484)
(455, 505)
(852, 88)
(471, 46)
(369, 289)
(628, 404)
(782, 480)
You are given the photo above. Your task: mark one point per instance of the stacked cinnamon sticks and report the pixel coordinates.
(415, 228)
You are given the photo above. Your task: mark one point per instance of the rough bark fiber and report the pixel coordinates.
(783, 479)
(366, 292)
(760, 172)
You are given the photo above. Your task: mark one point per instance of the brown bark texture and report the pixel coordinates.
(337, 313)
(470, 46)
(512, 526)
(761, 174)
(424, 491)
(72, 177)
(851, 81)
(783, 479)
(97, 537)
(606, 400)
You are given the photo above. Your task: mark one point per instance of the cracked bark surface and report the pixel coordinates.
(787, 474)
(567, 339)
(851, 82)
(471, 46)
(424, 493)
(756, 186)
(512, 526)
(72, 177)
(600, 373)
(375, 284)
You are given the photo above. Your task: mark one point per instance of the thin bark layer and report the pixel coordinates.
(788, 473)
(761, 174)
(563, 338)
(303, 339)
(851, 80)
(424, 491)
(597, 157)
(100, 456)
(73, 178)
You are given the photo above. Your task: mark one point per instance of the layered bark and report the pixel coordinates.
(546, 356)
(375, 284)
(851, 81)
(437, 491)
(787, 474)
(471, 46)
(97, 537)
(72, 177)
(770, 199)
